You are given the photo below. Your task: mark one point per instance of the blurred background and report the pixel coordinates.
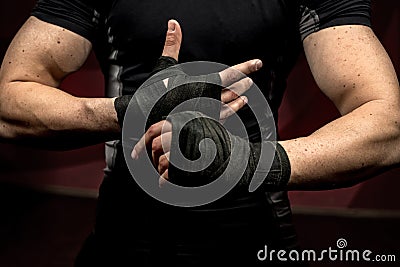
(48, 199)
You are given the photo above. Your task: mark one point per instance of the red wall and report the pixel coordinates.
(302, 112)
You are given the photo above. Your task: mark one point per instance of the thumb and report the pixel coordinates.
(173, 40)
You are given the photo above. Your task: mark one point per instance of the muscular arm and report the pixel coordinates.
(32, 109)
(352, 68)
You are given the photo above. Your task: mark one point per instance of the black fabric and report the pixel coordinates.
(128, 37)
(186, 137)
(162, 235)
(163, 63)
(181, 88)
(153, 101)
(277, 171)
(76, 15)
(121, 105)
(190, 128)
(322, 14)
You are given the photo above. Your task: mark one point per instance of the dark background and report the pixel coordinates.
(47, 199)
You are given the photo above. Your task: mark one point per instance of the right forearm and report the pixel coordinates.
(35, 114)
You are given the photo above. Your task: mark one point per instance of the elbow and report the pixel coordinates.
(8, 132)
(8, 129)
(391, 151)
(393, 159)
(19, 132)
(13, 128)
(16, 122)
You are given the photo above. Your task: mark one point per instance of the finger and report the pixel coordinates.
(249, 66)
(235, 90)
(156, 150)
(160, 145)
(163, 163)
(154, 131)
(173, 40)
(166, 141)
(238, 72)
(163, 180)
(145, 140)
(229, 109)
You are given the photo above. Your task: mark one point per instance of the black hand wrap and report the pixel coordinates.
(266, 164)
(154, 100)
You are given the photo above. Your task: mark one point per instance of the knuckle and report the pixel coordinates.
(171, 40)
(163, 164)
(163, 160)
(231, 75)
(155, 144)
(151, 129)
(250, 66)
(232, 94)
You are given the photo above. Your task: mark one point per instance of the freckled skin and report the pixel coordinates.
(43, 55)
(30, 82)
(358, 76)
(331, 155)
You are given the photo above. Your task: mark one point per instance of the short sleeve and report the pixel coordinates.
(79, 16)
(320, 14)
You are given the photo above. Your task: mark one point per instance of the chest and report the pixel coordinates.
(226, 31)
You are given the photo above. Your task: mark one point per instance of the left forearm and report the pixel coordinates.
(347, 150)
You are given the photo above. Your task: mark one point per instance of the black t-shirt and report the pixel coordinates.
(128, 37)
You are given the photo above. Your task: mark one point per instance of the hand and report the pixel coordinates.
(230, 78)
(158, 139)
(237, 161)
(158, 136)
(145, 99)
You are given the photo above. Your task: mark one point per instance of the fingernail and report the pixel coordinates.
(245, 99)
(258, 64)
(171, 26)
(134, 154)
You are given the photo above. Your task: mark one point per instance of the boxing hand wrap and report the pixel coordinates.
(167, 88)
(266, 165)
